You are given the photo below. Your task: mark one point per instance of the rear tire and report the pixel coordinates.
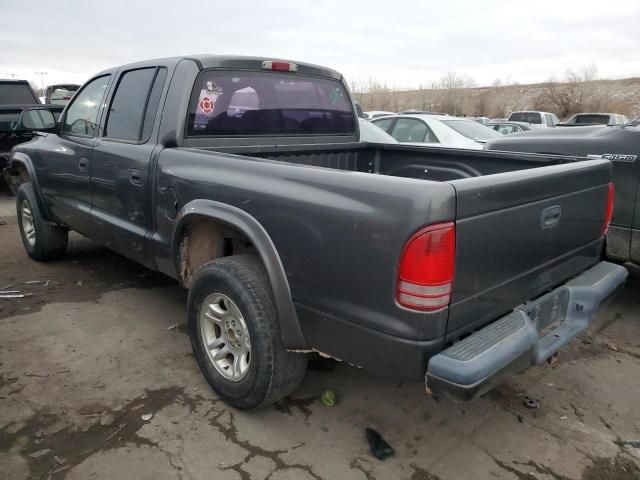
(231, 309)
(42, 240)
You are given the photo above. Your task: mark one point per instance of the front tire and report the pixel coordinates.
(235, 334)
(42, 240)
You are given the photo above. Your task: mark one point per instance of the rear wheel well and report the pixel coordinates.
(202, 240)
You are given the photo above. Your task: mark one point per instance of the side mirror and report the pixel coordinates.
(38, 119)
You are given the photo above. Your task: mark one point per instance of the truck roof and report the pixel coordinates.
(13, 80)
(205, 61)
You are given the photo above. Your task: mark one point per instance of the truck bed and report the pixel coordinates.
(505, 255)
(409, 161)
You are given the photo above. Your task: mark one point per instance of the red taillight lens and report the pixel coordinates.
(279, 66)
(609, 213)
(426, 268)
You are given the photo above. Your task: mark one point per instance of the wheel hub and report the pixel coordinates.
(225, 337)
(26, 220)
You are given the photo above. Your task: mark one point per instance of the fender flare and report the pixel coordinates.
(292, 336)
(24, 160)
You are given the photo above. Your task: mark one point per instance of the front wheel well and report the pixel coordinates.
(16, 175)
(202, 240)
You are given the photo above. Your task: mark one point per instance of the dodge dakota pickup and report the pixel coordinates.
(244, 179)
(618, 143)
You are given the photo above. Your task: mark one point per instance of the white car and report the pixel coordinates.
(376, 113)
(437, 130)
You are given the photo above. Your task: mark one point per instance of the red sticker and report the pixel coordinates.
(207, 105)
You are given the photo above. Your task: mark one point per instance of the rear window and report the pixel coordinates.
(61, 96)
(592, 119)
(527, 117)
(241, 103)
(16, 94)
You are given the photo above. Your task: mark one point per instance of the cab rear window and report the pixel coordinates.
(243, 103)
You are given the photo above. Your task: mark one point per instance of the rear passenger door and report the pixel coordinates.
(122, 159)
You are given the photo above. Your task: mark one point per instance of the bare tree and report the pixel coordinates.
(572, 94)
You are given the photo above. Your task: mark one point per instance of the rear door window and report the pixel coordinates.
(134, 105)
(244, 103)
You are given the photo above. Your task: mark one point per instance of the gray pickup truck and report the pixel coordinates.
(244, 179)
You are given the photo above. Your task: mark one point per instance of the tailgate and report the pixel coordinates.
(518, 234)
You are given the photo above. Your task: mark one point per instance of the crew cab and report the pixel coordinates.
(244, 179)
(618, 143)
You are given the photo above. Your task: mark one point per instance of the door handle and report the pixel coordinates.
(83, 164)
(550, 216)
(135, 176)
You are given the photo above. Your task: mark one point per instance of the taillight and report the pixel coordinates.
(609, 213)
(426, 268)
(279, 66)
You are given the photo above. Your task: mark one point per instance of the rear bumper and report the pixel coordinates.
(528, 336)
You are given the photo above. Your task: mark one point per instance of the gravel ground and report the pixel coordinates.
(97, 381)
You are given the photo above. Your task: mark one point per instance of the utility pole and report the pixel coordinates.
(42, 74)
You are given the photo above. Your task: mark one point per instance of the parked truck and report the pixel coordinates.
(15, 96)
(244, 179)
(618, 143)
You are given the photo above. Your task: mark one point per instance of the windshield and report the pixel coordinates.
(473, 130)
(16, 94)
(527, 117)
(226, 103)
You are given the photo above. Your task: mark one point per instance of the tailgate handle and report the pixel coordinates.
(550, 216)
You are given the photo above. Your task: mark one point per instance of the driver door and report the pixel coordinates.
(65, 170)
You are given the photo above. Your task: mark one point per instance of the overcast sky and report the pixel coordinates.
(405, 43)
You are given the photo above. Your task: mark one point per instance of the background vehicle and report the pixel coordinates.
(293, 236)
(621, 145)
(506, 127)
(595, 119)
(15, 96)
(542, 119)
(480, 120)
(60, 94)
(438, 130)
(419, 112)
(376, 114)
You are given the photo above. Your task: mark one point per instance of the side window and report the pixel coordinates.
(383, 124)
(411, 130)
(548, 120)
(132, 107)
(82, 115)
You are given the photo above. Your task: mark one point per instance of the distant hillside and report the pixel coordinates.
(562, 98)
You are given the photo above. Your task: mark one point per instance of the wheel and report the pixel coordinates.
(41, 239)
(235, 334)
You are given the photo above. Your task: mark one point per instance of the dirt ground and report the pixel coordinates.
(97, 381)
